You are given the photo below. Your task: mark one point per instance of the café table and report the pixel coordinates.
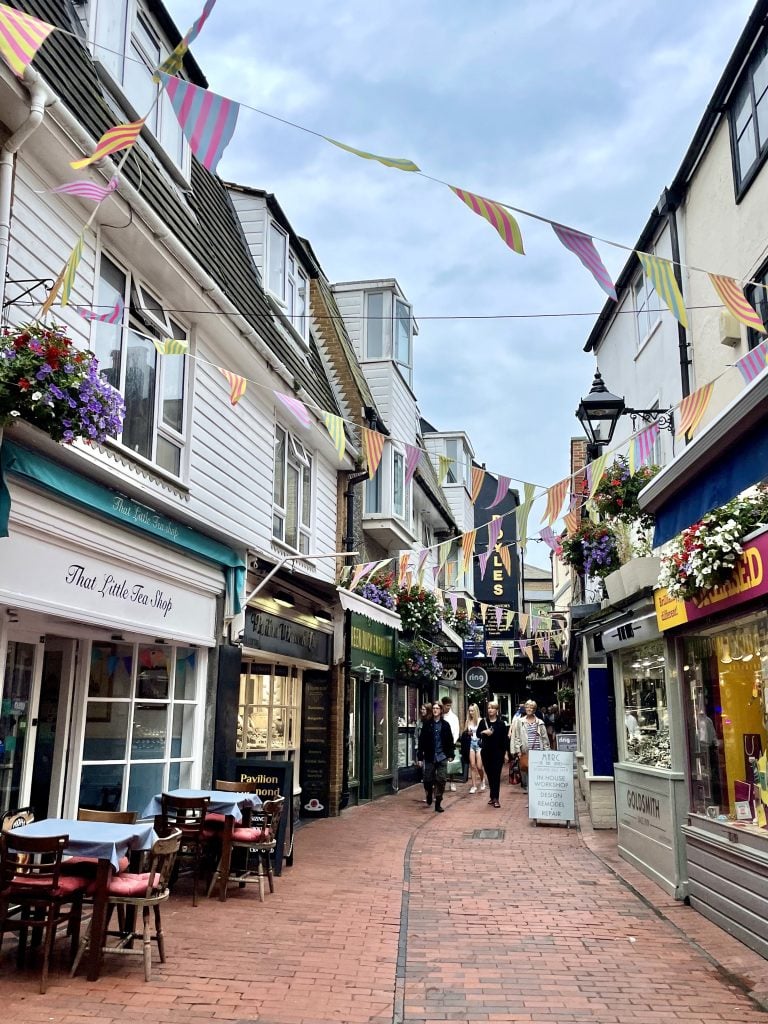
(220, 801)
(105, 841)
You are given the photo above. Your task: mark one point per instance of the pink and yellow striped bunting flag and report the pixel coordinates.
(555, 498)
(87, 189)
(335, 427)
(692, 410)
(122, 136)
(21, 36)
(478, 475)
(174, 63)
(583, 247)
(662, 274)
(482, 561)
(494, 529)
(70, 271)
(573, 520)
(207, 120)
(237, 385)
(641, 448)
(506, 559)
(295, 407)
(402, 568)
(399, 163)
(735, 301)
(111, 317)
(496, 215)
(523, 511)
(753, 363)
(412, 459)
(502, 489)
(373, 446)
(467, 549)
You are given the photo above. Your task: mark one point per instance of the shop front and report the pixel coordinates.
(376, 744)
(721, 646)
(106, 624)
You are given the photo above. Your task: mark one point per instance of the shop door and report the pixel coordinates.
(364, 738)
(49, 760)
(23, 665)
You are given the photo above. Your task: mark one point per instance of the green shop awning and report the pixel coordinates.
(69, 486)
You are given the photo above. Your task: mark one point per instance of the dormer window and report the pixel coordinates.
(389, 330)
(287, 280)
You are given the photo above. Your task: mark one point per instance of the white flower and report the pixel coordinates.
(15, 413)
(36, 396)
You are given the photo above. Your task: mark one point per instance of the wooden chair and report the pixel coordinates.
(34, 893)
(259, 838)
(187, 815)
(140, 892)
(88, 866)
(17, 819)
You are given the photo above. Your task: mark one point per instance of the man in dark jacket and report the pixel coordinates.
(434, 751)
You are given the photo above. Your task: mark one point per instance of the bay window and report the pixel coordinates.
(398, 484)
(154, 388)
(374, 325)
(292, 492)
(402, 338)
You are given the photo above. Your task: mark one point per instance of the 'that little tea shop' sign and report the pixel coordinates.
(107, 585)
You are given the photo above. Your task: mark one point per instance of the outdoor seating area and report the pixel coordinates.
(63, 880)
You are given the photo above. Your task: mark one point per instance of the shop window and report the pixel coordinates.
(407, 724)
(268, 710)
(129, 46)
(646, 718)
(154, 388)
(292, 492)
(725, 678)
(139, 736)
(381, 729)
(352, 760)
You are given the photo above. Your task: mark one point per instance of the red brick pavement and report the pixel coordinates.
(396, 915)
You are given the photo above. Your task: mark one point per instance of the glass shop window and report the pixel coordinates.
(407, 724)
(646, 718)
(381, 729)
(268, 711)
(725, 686)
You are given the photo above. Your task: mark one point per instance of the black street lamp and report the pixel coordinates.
(600, 411)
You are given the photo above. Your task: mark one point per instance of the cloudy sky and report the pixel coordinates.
(578, 111)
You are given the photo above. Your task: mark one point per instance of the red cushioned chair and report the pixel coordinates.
(87, 866)
(255, 836)
(140, 891)
(187, 815)
(35, 895)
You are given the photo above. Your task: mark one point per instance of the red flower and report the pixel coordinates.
(24, 384)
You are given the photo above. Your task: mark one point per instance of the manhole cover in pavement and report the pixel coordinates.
(488, 833)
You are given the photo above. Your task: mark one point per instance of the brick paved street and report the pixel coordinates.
(397, 915)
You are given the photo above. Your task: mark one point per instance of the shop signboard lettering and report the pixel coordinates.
(567, 741)
(273, 779)
(122, 588)
(550, 785)
(496, 584)
(373, 645)
(749, 581)
(282, 636)
(643, 807)
(315, 755)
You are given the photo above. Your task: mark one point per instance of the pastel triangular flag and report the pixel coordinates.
(753, 363)
(735, 301)
(506, 560)
(692, 410)
(373, 445)
(502, 489)
(174, 63)
(122, 136)
(493, 651)
(237, 385)
(87, 189)
(399, 163)
(496, 215)
(494, 529)
(662, 274)
(335, 427)
(528, 651)
(112, 316)
(21, 36)
(70, 271)
(295, 407)
(522, 618)
(644, 443)
(423, 556)
(444, 465)
(499, 613)
(596, 470)
(170, 346)
(443, 551)
(359, 571)
(572, 521)
(555, 498)
(412, 458)
(454, 599)
(548, 536)
(467, 549)
(207, 120)
(583, 247)
(523, 511)
(402, 568)
(482, 561)
(483, 611)
(478, 475)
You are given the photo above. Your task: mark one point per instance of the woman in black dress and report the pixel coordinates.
(493, 744)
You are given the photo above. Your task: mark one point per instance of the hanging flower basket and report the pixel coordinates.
(593, 550)
(47, 382)
(419, 612)
(416, 662)
(461, 623)
(379, 590)
(706, 555)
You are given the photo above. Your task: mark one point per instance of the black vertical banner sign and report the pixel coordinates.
(273, 779)
(315, 755)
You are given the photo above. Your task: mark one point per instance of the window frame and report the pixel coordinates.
(646, 310)
(757, 297)
(141, 323)
(296, 458)
(291, 703)
(398, 474)
(406, 367)
(743, 181)
(384, 322)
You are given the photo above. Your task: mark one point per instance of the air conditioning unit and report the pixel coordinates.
(730, 331)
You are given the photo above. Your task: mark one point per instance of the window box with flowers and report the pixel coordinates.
(47, 382)
(379, 590)
(419, 612)
(706, 555)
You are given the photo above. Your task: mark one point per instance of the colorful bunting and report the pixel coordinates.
(497, 216)
(573, 520)
(112, 317)
(502, 490)
(523, 511)
(478, 475)
(482, 560)
(692, 410)
(70, 271)
(506, 560)
(583, 247)
(662, 274)
(21, 36)
(402, 568)
(555, 498)
(454, 599)
(735, 301)
(295, 407)
(423, 556)
(335, 427)
(174, 347)
(412, 459)
(120, 137)
(494, 529)
(174, 63)
(373, 445)
(643, 444)
(595, 472)
(467, 549)
(399, 163)
(236, 385)
(528, 651)
(549, 538)
(498, 612)
(444, 465)
(88, 189)
(207, 120)
(753, 363)
(443, 551)
(359, 572)
(522, 618)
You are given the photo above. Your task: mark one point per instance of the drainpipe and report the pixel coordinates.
(39, 95)
(668, 206)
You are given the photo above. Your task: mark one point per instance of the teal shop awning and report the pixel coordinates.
(73, 487)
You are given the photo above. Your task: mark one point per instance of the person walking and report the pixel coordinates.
(492, 731)
(476, 771)
(435, 750)
(450, 716)
(526, 734)
(425, 714)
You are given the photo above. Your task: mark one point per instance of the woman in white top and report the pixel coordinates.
(526, 734)
(476, 771)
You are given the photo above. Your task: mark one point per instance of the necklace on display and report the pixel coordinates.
(752, 745)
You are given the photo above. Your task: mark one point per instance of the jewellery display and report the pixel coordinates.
(652, 750)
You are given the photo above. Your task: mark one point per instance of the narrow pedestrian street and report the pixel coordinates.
(396, 914)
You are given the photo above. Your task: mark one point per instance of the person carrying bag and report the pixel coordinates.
(526, 734)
